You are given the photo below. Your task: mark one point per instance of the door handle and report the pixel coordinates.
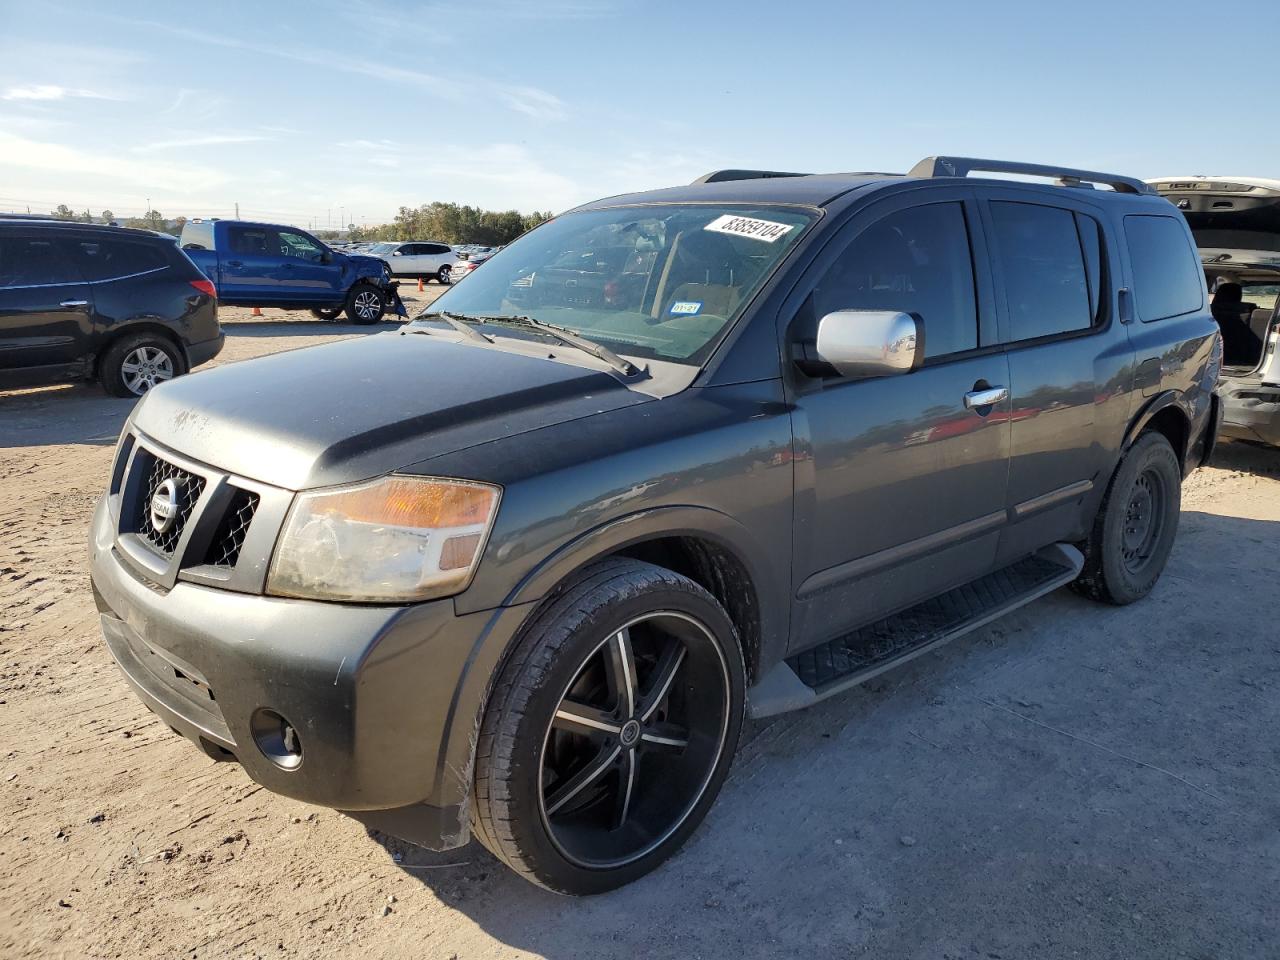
(235, 263)
(74, 303)
(985, 398)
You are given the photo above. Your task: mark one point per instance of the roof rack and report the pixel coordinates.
(1064, 176)
(720, 176)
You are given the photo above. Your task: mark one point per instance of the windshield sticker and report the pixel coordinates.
(766, 230)
(686, 307)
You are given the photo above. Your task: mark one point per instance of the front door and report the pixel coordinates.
(308, 272)
(900, 482)
(46, 307)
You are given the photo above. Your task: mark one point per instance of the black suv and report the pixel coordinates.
(671, 459)
(126, 307)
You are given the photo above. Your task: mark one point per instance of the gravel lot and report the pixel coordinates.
(1073, 781)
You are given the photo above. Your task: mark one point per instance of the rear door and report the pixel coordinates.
(250, 264)
(900, 486)
(1053, 261)
(46, 308)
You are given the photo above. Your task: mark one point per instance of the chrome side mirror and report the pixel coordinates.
(870, 343)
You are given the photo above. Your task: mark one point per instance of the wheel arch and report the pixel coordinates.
(1167, 415)
(132, 328)
(712, 549)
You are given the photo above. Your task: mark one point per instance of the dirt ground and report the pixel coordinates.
(1072, 781)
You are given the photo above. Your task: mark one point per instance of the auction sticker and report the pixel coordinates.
(766, 230)
(686, 307)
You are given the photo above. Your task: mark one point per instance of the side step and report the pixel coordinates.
(822, 671)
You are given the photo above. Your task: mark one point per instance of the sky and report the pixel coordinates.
(318, 112)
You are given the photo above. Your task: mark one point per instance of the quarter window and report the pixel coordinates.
(34, 263)
(914, 261)
(1042, 257)
(1167, 278)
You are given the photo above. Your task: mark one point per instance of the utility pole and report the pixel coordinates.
(237, 209)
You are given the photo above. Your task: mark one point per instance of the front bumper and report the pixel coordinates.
(386, 701)
(1251, 410)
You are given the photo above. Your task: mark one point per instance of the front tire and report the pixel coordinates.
(1136, 525)
(365, 304)
(327, 313)
(135, 364)
(610, 730)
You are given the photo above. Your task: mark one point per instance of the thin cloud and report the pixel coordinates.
(49, 91)
(530, 101)
(209, 140)
(138, 174)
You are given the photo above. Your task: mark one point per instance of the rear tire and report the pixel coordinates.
(445, 276)
(580, 785)
(135, 364)
(1136, 525)
(365, 304)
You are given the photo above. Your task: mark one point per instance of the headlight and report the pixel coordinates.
(395, 539)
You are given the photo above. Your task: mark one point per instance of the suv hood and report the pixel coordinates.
(349, 411)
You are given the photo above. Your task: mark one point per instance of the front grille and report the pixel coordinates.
(224, 549)
(190, 486)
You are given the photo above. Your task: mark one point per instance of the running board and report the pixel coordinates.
(839, 664)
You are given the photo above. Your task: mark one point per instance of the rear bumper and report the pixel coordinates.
(1251, 410)
(206, 350)
(385, 701)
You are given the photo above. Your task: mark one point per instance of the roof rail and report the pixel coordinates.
(1065, 176)
(720, 176)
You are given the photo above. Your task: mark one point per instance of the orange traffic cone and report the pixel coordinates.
(421, 285)
(257, 311)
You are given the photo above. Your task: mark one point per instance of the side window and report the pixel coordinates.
(32, 262)
(1167, 277)
(297, 245)
(1042, 261)
(109, 259)
(253, 240)
(914, 261)
(434, 249)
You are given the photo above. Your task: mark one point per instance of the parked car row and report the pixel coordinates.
(668, 461)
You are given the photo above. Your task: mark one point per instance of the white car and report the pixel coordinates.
(417, 259)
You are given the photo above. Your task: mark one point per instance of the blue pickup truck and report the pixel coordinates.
(268, 265)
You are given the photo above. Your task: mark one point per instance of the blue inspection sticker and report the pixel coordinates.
(686, 307)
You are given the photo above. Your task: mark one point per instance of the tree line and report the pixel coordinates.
(446, 222)
(453, 223)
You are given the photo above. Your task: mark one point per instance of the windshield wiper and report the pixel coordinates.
(565, 335)
(457, 323)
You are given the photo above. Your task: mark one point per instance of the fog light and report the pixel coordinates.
(277, 738)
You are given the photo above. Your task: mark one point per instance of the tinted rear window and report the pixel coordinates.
(1167, 277)
(34, 262)
(112, 259)
(1042, 263)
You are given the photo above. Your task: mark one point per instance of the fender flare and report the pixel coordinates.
(772, 586)
(1161, 401)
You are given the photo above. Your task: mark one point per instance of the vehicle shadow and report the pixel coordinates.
(1074, 779)
(74, 413)
(1249, 457)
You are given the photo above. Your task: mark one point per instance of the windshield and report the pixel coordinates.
(380, 248)
(662, 282)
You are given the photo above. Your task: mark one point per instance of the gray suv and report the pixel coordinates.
(673, 459)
